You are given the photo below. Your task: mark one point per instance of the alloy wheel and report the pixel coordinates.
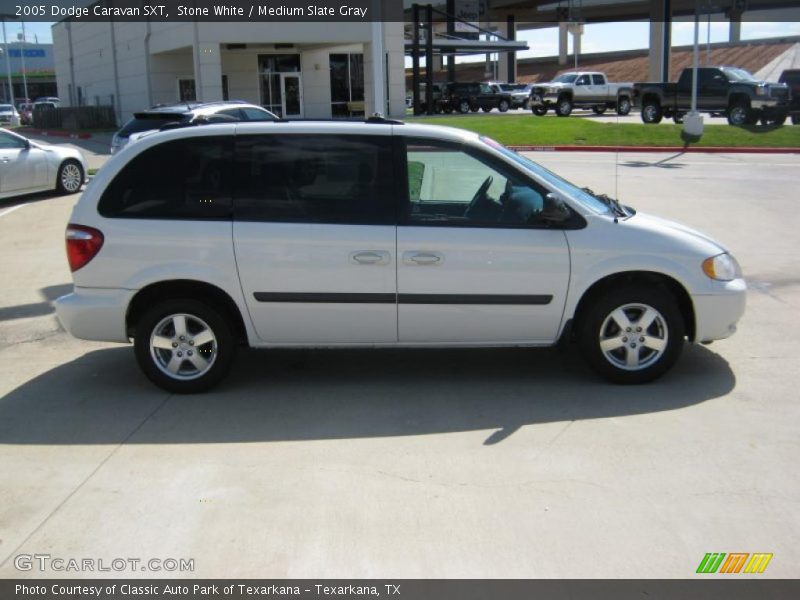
(633, 337)
(183, 346)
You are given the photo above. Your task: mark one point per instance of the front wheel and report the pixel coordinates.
(740, 114)
(70, 177)
(599, 109)
(678, 117)
(633, 334)
(651, 112)
(539, 111)
(463, 107)
(503, 106)
(184, 346)
(623, 107)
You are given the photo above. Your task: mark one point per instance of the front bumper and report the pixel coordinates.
(95, 314)
(544, 99)
(716, 315)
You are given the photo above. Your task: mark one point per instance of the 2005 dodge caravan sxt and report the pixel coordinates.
(304, 234)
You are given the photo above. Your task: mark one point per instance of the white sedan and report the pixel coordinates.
(27, 167)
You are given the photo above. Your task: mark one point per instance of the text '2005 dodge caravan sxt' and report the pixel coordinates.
(301, 234)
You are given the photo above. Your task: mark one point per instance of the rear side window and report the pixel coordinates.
(598, 80)
(182, 179)
(314, 179)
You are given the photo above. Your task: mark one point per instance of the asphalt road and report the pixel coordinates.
(448, 463)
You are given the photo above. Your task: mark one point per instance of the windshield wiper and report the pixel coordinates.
(612, 203)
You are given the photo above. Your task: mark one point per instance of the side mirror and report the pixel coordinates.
(555, 210)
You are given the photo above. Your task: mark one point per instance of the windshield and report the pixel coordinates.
(562, 185)
(734, 74)
(566, 78)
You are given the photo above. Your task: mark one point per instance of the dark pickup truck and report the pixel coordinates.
(728, 90)
(466, 97)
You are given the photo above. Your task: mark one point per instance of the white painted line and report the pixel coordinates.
(10, 210)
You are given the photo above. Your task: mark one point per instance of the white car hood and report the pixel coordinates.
(702, 242)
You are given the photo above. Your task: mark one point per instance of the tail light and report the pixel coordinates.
(83, 244)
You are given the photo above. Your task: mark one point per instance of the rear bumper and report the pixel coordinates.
(95, 314)
(717, 315)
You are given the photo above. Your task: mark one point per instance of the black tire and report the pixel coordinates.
(795, 119)
(741, 114)
(463, 106)
(599, 109)
(486, 109)
(503, 106)
(475, 108)
(448, 110)
(70, 177)
(623, 106)
(564, 107)
(652, 112)
(678, 117)
(539, 111)
(666, 331)
(151, 360)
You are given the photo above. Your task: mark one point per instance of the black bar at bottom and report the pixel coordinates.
(732, 587)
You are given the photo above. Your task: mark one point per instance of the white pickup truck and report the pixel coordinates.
(581, 89)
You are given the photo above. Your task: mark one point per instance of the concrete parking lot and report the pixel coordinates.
(449, 463)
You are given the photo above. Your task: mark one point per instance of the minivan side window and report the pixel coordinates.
(181, 179)
(451, 185)
(315, 178)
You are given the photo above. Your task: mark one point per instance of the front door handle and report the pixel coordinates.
(370, 257)
(423, 258)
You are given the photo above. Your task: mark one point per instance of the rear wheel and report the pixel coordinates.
(651, 112)
(795, 119)
(487, 109)
(184, 346)
(476, 108)
(70, 177)
(503, 106)
(623, 106)
(678, 117)
(463, 106)
(632, 334)
(539, 111)
(564, 107)
(599, 109)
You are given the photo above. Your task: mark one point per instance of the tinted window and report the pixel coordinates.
(314, 179)
(146, 122)
(232, 112)
(583, 80)
(255, 114)
(451, 185)
(598, 80)
(10, 141)
(182, 179)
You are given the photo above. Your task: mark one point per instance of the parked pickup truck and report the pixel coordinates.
(791, 77)
(581, 89)
(466, 97)
(728, 90)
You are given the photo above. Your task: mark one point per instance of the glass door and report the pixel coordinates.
(292, 95)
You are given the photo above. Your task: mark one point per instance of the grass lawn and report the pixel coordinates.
(527, 130)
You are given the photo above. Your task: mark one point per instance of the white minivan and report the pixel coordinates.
(378, 234)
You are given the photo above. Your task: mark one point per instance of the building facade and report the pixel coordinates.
(307, 70)
(31, 67)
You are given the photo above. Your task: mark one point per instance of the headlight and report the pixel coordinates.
(722, 267)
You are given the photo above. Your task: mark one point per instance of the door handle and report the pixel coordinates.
(423, 258)
(370, 257)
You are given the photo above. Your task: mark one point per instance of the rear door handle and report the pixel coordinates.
(370, 257)
(423, 258)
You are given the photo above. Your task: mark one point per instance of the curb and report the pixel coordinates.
(673, 149)
(64, 134)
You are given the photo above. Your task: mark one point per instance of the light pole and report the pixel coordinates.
(22, 57)
(693, 122)
(8, 61)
